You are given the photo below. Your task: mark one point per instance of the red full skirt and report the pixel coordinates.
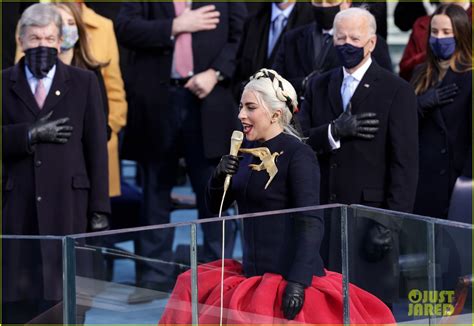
(258, 299)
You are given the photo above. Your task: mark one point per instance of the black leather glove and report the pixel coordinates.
(44, 131)
(98, 222)
(437, 96)
(378, 242)
(363, 125)
(293, 300)
(228, 165)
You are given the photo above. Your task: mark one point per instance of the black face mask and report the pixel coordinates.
(40, 60)
(350, 55)
(325, 16)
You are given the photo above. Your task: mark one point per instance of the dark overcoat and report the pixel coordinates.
(445, 148)
(49, 189)
(285, 244)
(145, 28)
(382, 172)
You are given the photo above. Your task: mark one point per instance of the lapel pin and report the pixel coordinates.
(366, 85)
(57, 93)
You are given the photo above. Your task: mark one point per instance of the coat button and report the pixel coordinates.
(333, 197)
(38, 163)
(442, 172)
(38, 199)
(443, 151)
(334, 165)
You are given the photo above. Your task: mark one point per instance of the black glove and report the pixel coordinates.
(437, 96)
(98, 222)
(228, 165)
(44, 131)
(378, 242)
(293, 300)
(363, 125)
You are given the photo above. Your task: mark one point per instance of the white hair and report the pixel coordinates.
(40, 15)
(357, 12)
(275, 93)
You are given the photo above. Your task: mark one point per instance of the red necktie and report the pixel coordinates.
(40, 93)
(183, 49)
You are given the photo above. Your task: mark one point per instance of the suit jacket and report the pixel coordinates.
(49, 189)
(306, 50)
(382, 172)
(445, 148)
(283, 244)
(253, 49)
(145, 28)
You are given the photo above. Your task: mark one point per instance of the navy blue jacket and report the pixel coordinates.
(445, 148)
(286, 244)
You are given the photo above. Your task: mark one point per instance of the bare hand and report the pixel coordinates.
(202, 84)
(201, 19)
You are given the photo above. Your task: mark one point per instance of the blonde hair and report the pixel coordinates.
(275, 93)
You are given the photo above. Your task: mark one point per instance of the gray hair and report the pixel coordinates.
(357, 12)
(275, 93)
(39, 15)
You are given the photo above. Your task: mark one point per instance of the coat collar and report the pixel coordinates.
(365, 87)
(58, 90)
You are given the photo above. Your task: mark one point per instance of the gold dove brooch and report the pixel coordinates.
(268, 161)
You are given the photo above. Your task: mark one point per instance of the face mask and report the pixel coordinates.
(350, 55)
(325, 16)
(70, 37)
(40, 60)
(443, 48)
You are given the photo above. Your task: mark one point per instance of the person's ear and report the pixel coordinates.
(276, 116)
(372, 43)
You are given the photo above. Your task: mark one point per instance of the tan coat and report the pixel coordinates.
(104, 49)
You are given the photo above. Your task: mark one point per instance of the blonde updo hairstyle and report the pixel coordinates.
(275, 93)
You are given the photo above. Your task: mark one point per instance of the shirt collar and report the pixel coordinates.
(359, 73)
(277, 11)
(29, 74)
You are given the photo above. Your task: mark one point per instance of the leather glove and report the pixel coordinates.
(45, 131)
(362, 125)
(437, 96)
(378, 242)
(98, 222)
(293, 300)
(228, 165)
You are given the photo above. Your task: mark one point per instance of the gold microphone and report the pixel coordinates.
(235, 143)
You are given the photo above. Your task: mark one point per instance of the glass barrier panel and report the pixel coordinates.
(32, 280)
(450, 302)
(398, 258)
(263, 251)
(127, 276)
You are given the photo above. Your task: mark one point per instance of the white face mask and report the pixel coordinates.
(70, 37)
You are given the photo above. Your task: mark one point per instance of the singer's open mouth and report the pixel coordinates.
(247, 128)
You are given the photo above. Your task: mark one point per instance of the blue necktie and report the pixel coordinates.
(277, 27)
(347, 91)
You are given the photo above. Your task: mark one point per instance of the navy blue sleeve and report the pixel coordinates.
(304, 180)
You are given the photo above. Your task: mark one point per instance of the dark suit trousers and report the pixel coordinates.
(159, 179)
